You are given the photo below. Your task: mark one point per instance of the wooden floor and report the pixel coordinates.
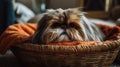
(9, 60)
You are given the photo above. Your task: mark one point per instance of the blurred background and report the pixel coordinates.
(23, 11)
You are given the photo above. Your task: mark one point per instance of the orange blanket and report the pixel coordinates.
(19, 33)
(16, 33)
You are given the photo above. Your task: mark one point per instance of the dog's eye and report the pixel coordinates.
(56, 25)
(74, 25)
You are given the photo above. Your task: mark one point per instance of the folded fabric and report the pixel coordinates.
(19, 33)
(111, 32)
(16, 33)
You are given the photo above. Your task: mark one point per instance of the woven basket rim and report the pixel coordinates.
(112, 45)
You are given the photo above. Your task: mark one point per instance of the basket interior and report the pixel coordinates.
(111, 33)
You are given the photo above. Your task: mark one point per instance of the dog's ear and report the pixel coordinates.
(43, 22)
(42, 25)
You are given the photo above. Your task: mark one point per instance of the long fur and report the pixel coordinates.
(65, 25)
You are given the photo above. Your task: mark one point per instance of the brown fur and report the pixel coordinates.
(61, 25)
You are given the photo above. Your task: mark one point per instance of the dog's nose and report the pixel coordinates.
(64, 32)
(63, 26)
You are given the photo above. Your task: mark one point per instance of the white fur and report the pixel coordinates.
(91, 30)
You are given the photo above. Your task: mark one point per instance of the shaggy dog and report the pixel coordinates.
(65, 25)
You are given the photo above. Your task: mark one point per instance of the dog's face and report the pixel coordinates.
(60, 25)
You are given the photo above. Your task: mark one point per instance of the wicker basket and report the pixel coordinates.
(67, 56)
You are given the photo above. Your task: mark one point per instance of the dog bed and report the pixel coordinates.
(64, 54)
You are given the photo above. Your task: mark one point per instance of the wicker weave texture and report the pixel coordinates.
(58, 56)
